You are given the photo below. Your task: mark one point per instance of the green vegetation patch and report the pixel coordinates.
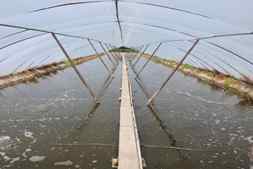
(187, 66)
(124, 49)
(67, 63)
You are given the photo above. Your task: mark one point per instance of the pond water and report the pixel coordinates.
(40, 122)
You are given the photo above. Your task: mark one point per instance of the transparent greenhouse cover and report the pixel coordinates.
(133, 23)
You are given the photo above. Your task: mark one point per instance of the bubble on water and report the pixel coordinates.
(224, 153)
(14, 160)
(77, 166)
(217, 121)
(4, 138)
(52, 148)
(36, 159)
(28, 134)
(26, 150)
(5, 142)
(4, 156)
(64, 163)
(249, 139)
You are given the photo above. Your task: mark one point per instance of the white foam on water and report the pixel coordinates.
(36, 159)
(28, 134)
(14, 160)
(64, 163)
(26, 150)
(249, 139)
(188, 94)
(77, 166)
(4, 138)
(5, 142)
(4, 156)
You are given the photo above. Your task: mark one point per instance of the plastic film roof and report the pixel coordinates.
(225, 30)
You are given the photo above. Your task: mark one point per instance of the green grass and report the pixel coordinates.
(187, 66)
(124, 49)
(67, 63)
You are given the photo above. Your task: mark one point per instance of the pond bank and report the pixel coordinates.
(33, 74)
(226, 82)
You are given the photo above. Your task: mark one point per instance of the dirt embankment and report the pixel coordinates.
(34, 74)
(228, 83)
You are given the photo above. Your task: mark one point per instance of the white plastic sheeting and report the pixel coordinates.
(142, 22)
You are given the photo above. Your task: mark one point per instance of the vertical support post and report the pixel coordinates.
(114, 56)
(129, 145)
(140, 55)
(97, 54)
(173, 72)
(107, 54)
(74, 67)
(146, 63)
(118, 55)
(137, 53)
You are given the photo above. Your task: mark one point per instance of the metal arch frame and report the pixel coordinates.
(47, 31)
(164, 28)
(125, 1)
(116, 2)
(19, 41)
(225, 62)
(55, 27)
(12, 34)
(201, 38)
(193, 37)
(187, 34)
(22, 40)
(42, 60)
(43, 32)
(202, 60)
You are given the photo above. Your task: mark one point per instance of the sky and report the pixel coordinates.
(141, 24)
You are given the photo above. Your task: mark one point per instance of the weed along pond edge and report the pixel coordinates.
(33, 74)
(226, 82)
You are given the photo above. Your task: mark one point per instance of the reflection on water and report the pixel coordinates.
(40, 122)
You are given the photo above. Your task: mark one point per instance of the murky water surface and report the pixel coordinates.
(50, 125)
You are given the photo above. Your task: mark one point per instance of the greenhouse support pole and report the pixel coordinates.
(172, 73)
(107, 54)
(146, 63)
(140, 55)
(99, 57)
(114, 57)
(74, 67)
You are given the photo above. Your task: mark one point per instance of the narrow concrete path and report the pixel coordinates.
(129, 145)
